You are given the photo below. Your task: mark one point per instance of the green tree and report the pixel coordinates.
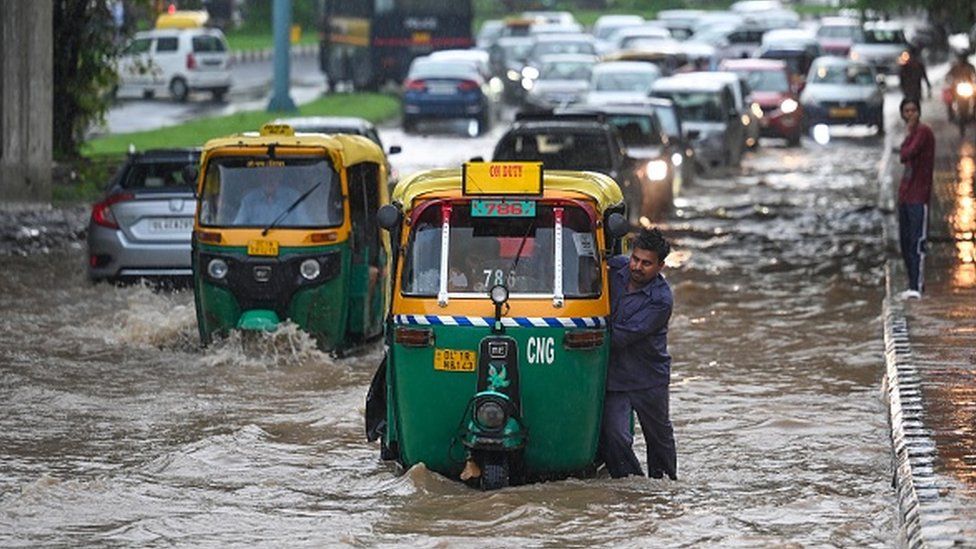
(85, 47)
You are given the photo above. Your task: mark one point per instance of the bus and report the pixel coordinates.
(368, 42)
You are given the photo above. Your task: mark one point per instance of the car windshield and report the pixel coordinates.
(565, 70)
(884, 36)
(624, 81)
(518, 252)
(516, 51)
(546, 48)
(156, 175)
(257, 191)
(559, 151)
(636, 130)
(843, 74)
(668, 117)
(766, 81)
(841, 31)
(698, 106)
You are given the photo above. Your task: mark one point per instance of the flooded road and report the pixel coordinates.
(116, 429)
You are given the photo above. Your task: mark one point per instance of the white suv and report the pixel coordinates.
(176, 60)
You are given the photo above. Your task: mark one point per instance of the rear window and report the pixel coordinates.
(559, 151)
(156, 176)
(442, 69)
(208, 44)
(167, 44)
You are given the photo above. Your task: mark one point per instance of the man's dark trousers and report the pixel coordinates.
(651, 406)
(912, 232)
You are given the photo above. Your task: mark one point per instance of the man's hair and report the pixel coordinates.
(652, 240)
(908, 100)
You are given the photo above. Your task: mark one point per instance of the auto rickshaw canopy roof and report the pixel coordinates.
(601, 188)
(350, 149)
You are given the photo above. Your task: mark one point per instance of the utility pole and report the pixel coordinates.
(281, 25)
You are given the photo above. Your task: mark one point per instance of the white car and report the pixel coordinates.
(177, 61)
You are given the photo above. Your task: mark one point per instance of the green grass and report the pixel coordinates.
(249, 39)
(373, 107)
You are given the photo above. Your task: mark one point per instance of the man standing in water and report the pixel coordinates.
(640, 368)
(918, 155)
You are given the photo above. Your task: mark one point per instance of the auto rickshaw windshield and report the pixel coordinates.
(517, 252)
(256, 192)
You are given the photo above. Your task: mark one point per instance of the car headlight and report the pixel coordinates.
(217, 268)
(530, 72)
(788, 106)
(855, 56)
(310, 269)
(757, 110)
(490, 414)
(676, 159)
(657, 170)
(746, 120)
(513, 75)
(964, 89)
(528, 84)
(499, 294)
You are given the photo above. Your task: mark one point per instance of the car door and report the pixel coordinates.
(166, 58)
(135, 63)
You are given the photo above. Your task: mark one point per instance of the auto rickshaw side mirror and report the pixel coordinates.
(389, 217)
(395, 149)
(190, 174)
(617, 225)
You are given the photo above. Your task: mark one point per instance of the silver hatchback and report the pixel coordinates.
(143, 225)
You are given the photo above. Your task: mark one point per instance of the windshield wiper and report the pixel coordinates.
(521, 247)
(294, 205)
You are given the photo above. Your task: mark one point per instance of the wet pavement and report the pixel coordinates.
(934, 369)
(119, 430)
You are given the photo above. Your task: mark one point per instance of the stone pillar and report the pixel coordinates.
(26, 83)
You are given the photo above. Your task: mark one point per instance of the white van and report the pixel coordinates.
(177, 61)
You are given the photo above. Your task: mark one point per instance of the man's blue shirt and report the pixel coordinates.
(639, 356)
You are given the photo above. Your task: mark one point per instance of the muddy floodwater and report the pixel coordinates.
(116, 429)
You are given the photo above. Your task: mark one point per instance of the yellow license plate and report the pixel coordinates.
(449, 360)
(845, 112)
(262, 247)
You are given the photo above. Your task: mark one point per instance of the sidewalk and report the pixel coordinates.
(930, 349)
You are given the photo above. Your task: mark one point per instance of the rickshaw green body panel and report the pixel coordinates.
(321, 309)
(561, 401)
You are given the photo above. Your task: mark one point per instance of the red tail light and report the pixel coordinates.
(415, 85)
(102, 212)
(191, 62)
(414, 337)
(467, 85)
(583, 339)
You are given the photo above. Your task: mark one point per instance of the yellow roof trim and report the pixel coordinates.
(353, 149)
(599, 187)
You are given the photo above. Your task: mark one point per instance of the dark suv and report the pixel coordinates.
(574, 142)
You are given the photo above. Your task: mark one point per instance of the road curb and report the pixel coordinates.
(265, 54)
(912, 448)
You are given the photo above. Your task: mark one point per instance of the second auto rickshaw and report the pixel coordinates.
(497, 337)
(286, 229)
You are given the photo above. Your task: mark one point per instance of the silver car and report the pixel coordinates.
(142, 226)
(884, 47)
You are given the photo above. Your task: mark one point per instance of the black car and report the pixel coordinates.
(574, 142)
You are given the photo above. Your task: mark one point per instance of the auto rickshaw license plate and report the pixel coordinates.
(843, 112)
(502, 208)
(450, 360)
(262, 247)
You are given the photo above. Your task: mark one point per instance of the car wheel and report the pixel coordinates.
(218, 94)
(148, 94)
(484, 123)
(793, 140)
(409, 125)
(179, 89)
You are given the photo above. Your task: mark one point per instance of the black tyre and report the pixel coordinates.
(219, 94)
(494, 471)
(179, 89)
(409, 125)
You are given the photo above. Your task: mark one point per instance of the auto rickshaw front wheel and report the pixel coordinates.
(495, 471)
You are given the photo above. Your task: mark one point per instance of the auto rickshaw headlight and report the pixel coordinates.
(499, 294)
(490, 414)
(310, 269)
(217, 268)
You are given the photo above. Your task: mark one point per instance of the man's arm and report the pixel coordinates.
(646, 322)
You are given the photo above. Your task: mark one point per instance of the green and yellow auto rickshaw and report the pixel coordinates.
(497, 338)
(286, 228)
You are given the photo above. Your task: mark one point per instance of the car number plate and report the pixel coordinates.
(450, 360)
(502, 208)
(178, 224)
(442, 89)
(262, 247)
(843, 112)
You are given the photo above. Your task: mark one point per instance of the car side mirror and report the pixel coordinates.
(617, 225)
(190, 174)
(389, 217)
(395, 149)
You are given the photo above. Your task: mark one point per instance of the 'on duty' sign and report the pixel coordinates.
(502, 178)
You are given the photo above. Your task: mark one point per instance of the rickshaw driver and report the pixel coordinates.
(264, 203)
(639, 370)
